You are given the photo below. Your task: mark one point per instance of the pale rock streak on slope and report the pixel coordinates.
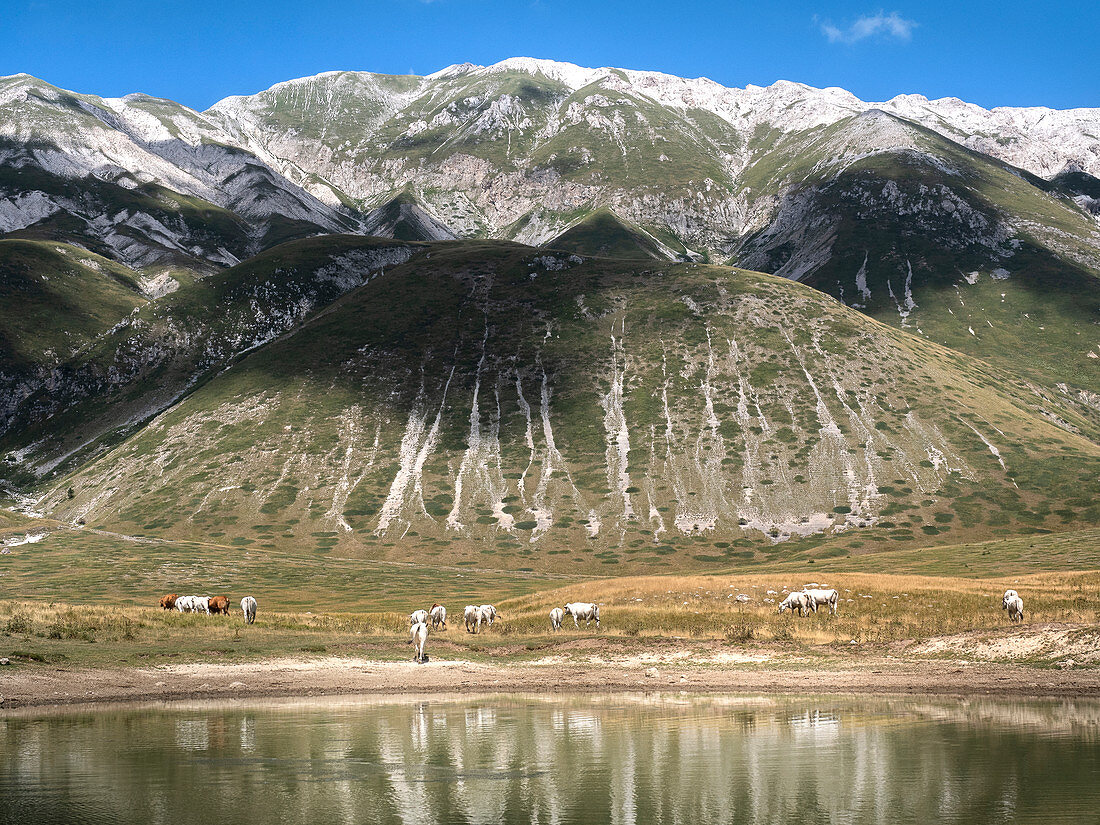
(495, 484)
(907, 305)
(992, 449)
(295, 457)
(861, 284)
(943, 459)
(903, 455)
(707, 461)
(618, 434)
(528, 436)
(414, 451)
(748, 511)
(671, 468)
(863, 423)
(753, 513)
(747, 391)
(830, 429)
(544, 516)
(407, 453)
(473, 441)
(482, 459)
(910, 304)
(551, 460)
(350, 432)
(594, 524)
(651, 492)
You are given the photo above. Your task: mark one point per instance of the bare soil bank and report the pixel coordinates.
(586, 665)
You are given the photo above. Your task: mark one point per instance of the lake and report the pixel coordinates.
(623, 758)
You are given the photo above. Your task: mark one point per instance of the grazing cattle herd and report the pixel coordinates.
(808, 600)
(476, 615)
(805, 602)
(208, 605)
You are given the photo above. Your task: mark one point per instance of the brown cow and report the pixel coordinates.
(438, 615)
(219, 604)
(168, 602)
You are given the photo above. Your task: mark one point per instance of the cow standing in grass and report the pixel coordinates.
(438, 614)
(168, 602)
(248, 608)
(822, 597)
(800, 601)
(583, 610)
(557, 616)
(418, 634)
(489, 614)
(472, 617)
(219, 604)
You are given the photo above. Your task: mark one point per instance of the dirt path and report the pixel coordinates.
(694, 668)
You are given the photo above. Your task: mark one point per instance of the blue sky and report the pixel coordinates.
(1007, 53)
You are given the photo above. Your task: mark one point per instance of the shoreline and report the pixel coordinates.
(297, 677)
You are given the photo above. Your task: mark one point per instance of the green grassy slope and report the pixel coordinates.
(946, 243)
(82, 566)
(604, 234)
(56, 298)
(592, 417)
(159, 353)
(1011, 555)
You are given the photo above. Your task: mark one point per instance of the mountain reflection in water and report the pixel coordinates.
(551, 759)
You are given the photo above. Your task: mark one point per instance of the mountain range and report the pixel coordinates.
(565, 341)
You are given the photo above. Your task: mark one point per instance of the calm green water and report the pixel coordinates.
(585, 759)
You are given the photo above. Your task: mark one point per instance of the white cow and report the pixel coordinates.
(802, 602)
(557, 615)
(472, 616)
(418, 638)
(489, 614)
(1015, 609)
(248, 608)
(823, 597)
(418, 617)
(185, 604)
(1009, 594)
(201, 604)
(583, 610)
(439, 616)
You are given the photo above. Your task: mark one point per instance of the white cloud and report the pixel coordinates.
(880, 25)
